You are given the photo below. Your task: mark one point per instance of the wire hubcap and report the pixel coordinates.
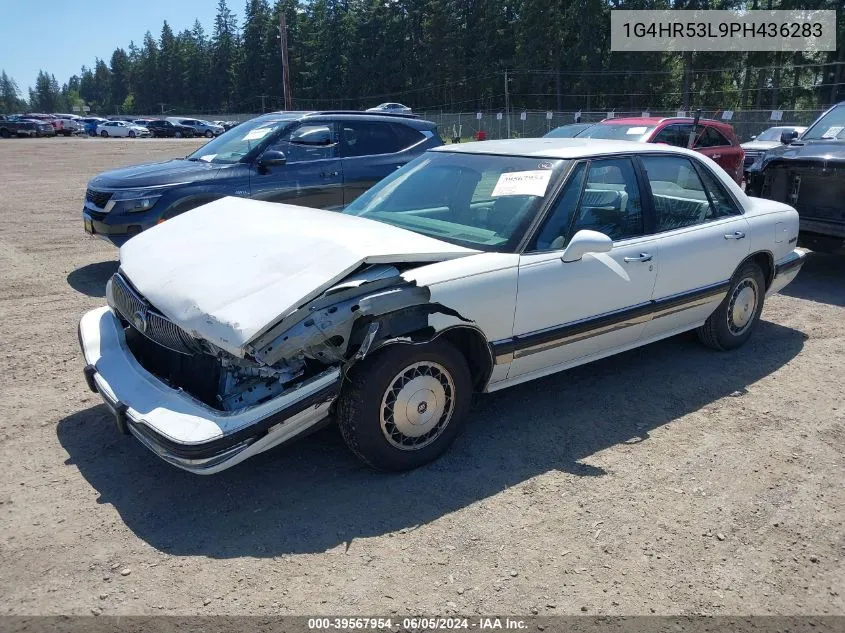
(417, 406)
(743, 306)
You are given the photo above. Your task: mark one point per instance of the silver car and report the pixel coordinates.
(394, 108)
(201, 127)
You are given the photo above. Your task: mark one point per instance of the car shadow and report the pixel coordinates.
(312, 495)
(91, 279)
(822, 279)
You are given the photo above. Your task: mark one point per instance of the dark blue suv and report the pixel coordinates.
(313, 159)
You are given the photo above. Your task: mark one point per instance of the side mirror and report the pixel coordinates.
(585, 241)
(787, 137)
(272, 157)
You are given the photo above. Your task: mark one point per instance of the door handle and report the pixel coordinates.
(643, 257)
(328, 174)
(736, 235)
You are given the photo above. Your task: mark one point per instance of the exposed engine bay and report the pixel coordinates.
(349, 320)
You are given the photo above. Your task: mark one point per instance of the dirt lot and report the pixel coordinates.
(666, 480)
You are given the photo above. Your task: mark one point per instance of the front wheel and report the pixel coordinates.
(178, 135)
(733, 321)
(104, 134)
(404, 405)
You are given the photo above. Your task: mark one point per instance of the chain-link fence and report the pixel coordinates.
(496, 125)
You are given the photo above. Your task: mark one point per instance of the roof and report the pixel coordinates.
(654, 120)
(566, 148)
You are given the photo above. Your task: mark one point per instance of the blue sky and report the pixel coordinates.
(60, 36)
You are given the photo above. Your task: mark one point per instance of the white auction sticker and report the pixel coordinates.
(257, 133)
(636, 130)
(833, 132)
(523, 183)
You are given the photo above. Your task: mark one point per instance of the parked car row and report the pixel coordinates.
(234, 325)
(21, 125)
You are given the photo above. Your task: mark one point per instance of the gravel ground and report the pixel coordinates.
(670, 479)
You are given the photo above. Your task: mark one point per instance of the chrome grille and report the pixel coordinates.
(144, 318)
(750, 157)
(97, 198)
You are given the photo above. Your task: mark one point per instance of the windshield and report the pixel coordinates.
(568, 131)
(232, 146)
(830, 126)
(474, 200)
(618, 131)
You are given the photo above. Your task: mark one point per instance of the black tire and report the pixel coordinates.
(209, 134)
(104, 134)
(131, 133)
(5, 133)
(375, 385)
(736, 317)
(177, 134)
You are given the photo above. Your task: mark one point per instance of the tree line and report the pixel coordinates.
(458, 55)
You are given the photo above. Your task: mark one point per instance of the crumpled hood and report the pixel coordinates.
(229, 270)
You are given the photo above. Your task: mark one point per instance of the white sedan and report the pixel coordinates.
(473, 268)
(121, 129)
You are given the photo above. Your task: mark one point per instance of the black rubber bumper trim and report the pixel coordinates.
(213, 448)
(787, 266)
(88, 371)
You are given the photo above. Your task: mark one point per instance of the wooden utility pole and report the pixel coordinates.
(283, 43)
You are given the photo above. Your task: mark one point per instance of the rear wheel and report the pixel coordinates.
(104, 134)
(403, 406)
(209, 134)
(734, 320)
(177, 134)
(5, 133)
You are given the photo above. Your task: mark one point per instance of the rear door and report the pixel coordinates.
(715, 145)
(701, 237)
(312, 175)
(370, 150)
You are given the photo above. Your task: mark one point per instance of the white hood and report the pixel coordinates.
(760, 145)
(227, 271)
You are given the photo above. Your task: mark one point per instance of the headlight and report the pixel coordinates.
(757, 164)
(134, 201)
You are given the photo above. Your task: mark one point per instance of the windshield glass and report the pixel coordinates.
(830, 126)
(772, 134)
(232, 146)
(568, 131)
(618, 131)
(473, 200)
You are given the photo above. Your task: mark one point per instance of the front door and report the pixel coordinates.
(570, 311)
(312, 175)
(371, 150)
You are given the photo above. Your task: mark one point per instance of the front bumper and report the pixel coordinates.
(180, 429)
(786, 269)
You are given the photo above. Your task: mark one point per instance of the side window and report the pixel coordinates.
(553, 234)
(307, 143)
(679, 197)
(722, 205)
(407, 136)
(676, 135)
(610, 203)
(711, 137)
(365, 138)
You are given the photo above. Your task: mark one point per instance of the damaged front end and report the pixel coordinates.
(203, 408)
